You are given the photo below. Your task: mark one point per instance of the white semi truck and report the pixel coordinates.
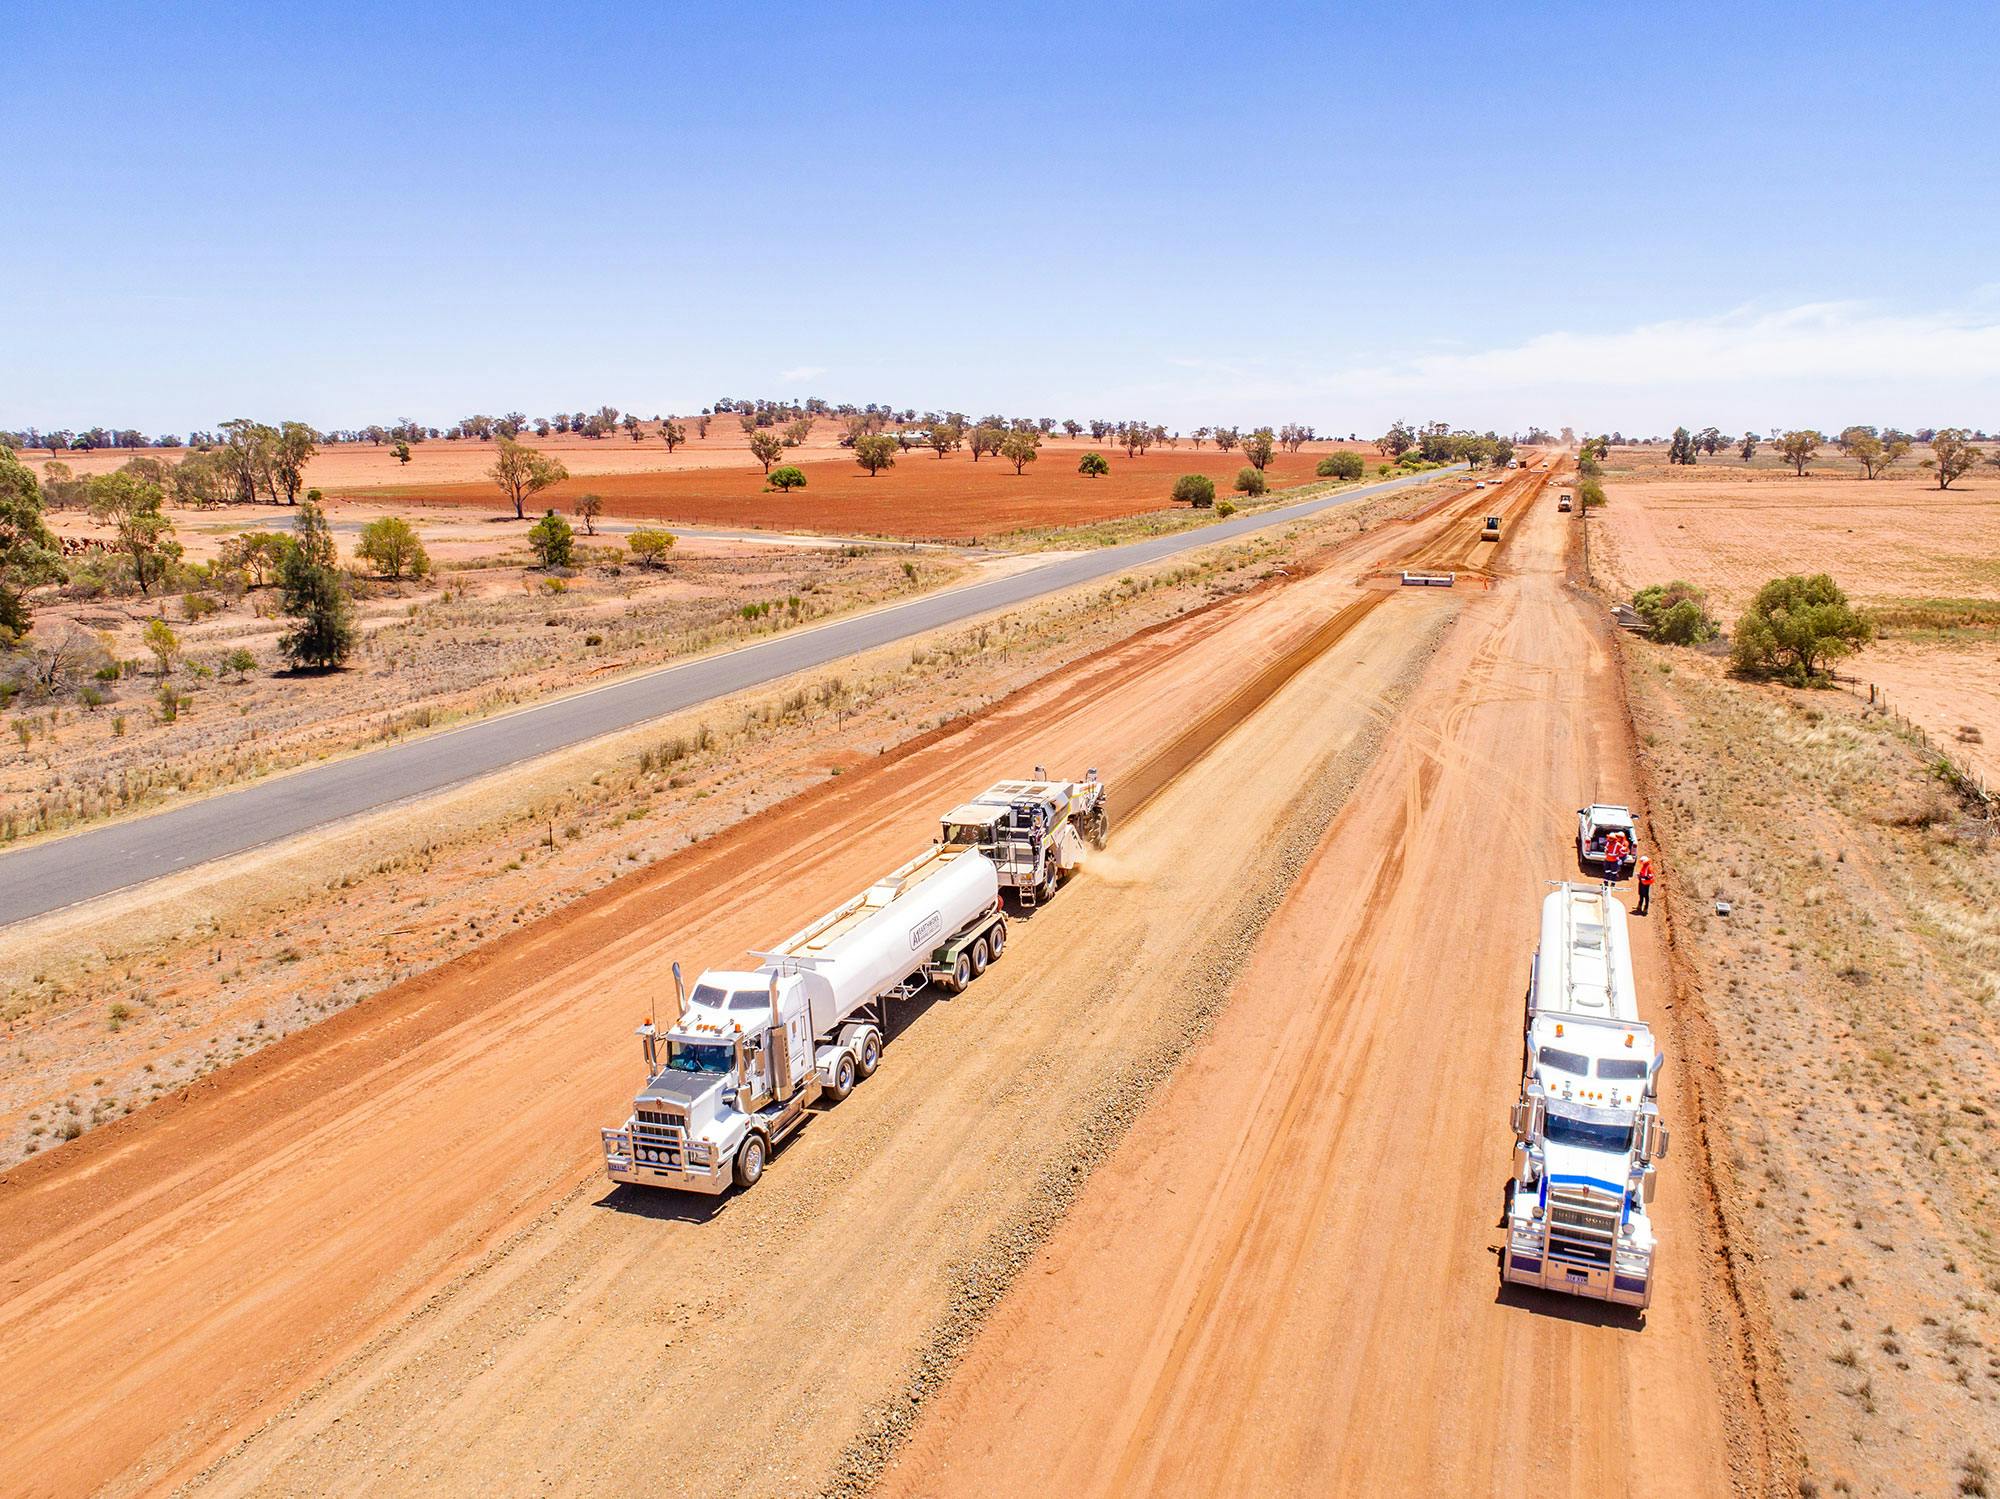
(735, 1074)
(1587, 1128)
(1036, 832)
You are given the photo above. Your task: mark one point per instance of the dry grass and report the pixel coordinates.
(1853, 991)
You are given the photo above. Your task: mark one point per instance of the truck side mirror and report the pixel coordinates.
(1522, 1112)
(1660, 1141)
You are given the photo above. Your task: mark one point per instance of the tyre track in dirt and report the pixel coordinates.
(1284, 1279)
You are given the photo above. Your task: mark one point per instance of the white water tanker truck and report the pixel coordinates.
(734, 1076)
(1587, 1128)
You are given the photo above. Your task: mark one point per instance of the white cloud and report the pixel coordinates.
(1812, 364)
(800, 375)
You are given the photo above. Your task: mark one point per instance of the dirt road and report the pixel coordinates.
(400, 1211)
(1284, 1281)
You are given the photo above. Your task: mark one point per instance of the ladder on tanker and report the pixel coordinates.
(1588, 943)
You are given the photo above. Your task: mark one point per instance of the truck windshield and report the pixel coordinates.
(690, 1056)
(1613, 1137)
(1621, 1069)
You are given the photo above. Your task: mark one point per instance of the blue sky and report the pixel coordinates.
(1746, 215)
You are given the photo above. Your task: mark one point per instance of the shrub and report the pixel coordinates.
(1341, 466)
(391, 543)
(1225, 508)
(1676, 613)
(1092, 465)
(1589, 493)
(788, 477)
(553, 540)
(1251, 482)
(1796, 627)
(198, 606)
(163, 643)
(651, 546)
(239, 661)
(1197, 490)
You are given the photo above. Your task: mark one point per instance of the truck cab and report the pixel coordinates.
(726, 1082)
(1587, 1127)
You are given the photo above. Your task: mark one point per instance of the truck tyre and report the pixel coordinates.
(750, 1156)
(996, 941)
(961, 974)
(844, 1077)
(871, 1053)
(1100, 829)
(980, 957)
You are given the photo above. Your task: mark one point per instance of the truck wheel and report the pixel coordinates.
(750, 1160)
(843, 1077)
(871, 1053)
(961, 973)
(980, 957)
(996, 941)
(1100, 830)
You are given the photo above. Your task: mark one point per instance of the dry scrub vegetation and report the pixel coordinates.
(1854, 991)
(485, 632)
(103, 1015)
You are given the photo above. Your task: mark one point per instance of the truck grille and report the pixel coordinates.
(1583, 1226)
(659, 1138)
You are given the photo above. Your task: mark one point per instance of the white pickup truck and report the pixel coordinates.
(1595, 825)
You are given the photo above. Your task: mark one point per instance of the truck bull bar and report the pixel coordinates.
(653, 1157)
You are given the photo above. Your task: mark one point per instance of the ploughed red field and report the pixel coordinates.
(923, 497)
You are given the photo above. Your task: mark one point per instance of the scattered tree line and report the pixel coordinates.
(1437, 442)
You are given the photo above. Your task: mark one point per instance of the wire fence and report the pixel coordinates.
(1959, 771)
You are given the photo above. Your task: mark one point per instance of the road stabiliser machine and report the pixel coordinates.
(737, 1073)
(1587, 1128)
(1036, 832)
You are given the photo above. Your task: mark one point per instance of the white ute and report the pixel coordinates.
(736, 1073)
(1036, 832)
(1587, 1128)
(1596, 823)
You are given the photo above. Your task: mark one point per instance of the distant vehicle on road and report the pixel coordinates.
(1491, 530)
(1563, 502)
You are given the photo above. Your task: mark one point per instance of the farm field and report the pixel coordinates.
(1926, 561)
(923, 497)
(716, 482)
(1730, 527)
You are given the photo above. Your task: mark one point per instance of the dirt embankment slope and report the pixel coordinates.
(192, 1268)
(1285, 1280)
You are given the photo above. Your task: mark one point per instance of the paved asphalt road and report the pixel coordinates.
(48, 876)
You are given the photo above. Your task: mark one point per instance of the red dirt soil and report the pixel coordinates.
(178, 1274)
(923, 497)
(1284, 1280)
